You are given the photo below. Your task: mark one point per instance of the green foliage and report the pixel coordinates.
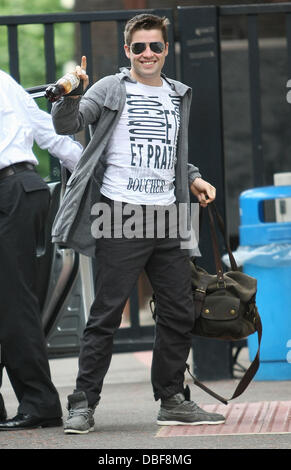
(31, 40)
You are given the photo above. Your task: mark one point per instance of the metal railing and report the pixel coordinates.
(84, 19)
(252, 14)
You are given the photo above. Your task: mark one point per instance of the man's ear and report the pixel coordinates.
(127, 50)
(166, 48)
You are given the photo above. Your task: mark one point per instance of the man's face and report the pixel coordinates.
(146, 66)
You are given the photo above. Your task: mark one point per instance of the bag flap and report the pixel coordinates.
(220, 307)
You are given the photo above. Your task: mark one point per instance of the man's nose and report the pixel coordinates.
(148, 52)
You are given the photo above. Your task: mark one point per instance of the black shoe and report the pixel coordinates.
(3, 413)
(24, 421)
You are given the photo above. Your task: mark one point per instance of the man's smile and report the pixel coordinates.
(148, 62)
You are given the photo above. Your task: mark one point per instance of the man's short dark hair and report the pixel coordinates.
(145, 21)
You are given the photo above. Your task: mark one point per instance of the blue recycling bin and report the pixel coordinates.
(269, 261)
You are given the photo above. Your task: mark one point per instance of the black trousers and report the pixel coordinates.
(119, 263)
(24, 202)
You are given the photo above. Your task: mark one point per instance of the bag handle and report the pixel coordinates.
(212, 209)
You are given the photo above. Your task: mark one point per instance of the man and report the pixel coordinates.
(137, 156)
(24, 204)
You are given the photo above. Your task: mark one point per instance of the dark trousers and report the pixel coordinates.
(24, 202)
(119, 263)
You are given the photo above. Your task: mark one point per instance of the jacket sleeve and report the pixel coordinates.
(71, 115)
(193, 172)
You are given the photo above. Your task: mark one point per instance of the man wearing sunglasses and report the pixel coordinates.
(138, 156)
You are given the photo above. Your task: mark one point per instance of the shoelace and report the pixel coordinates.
(80, 412)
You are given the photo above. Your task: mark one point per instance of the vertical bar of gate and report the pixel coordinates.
(13, 51)
(288, 36)
(50, 76)
(255, 101)
(122, 59)
(86, 47)
(49, 50)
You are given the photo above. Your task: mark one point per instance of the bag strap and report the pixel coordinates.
(212, 209)
(245, 380)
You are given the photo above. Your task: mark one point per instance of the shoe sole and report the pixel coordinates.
(77, 431)
(44, 424)
(185, 423)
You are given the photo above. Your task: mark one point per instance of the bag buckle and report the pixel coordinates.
(221, 284)
(200, 289)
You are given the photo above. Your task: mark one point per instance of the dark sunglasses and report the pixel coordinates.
(139, 47)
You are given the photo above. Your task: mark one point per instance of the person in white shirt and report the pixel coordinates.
(24, 204)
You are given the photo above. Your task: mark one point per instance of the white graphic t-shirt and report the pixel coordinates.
(141, 154)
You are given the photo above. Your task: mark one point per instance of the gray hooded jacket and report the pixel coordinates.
(100, 108)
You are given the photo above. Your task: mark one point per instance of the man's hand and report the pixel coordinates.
(204, 191)
(81, 73)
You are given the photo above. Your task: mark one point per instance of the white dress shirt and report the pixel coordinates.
(22, 122)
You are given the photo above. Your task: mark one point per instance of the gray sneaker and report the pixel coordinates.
(176, 410)
(80, 419)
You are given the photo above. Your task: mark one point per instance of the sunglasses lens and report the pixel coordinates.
(139, 47)
(157, 47)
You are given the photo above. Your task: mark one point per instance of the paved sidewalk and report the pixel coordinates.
(126, 415)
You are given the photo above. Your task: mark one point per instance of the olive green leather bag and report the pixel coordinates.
(225, 302)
